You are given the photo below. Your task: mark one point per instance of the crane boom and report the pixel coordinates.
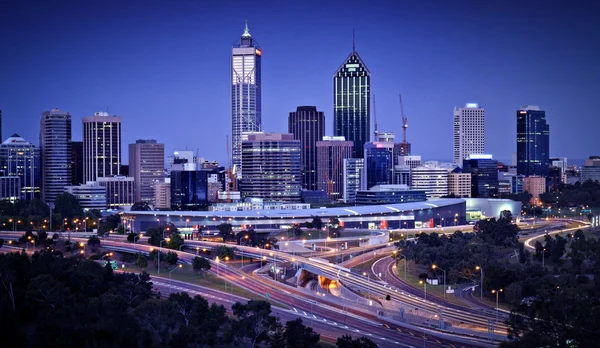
(404, 127)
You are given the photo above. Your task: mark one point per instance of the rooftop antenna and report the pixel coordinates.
(353, 41)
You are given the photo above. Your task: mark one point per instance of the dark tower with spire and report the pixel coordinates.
(352, 101)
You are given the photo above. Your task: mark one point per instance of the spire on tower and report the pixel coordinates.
(353, 41)
(246, 31)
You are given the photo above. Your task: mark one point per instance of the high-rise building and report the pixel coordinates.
(246, 114)
(535, 185)
(271, 165)
(469, 131)
(379, 169)
(120, 191)
(10, 188)
(533, 142)
(90, 195)
(431, 178)
(399, 151)
(101, 146)
(162, 194)
(189, 187)
(484, 175)
(1, 125)
(146, 166)
(353, 171)
(21, 159)
(459, 184)
(55, 149)
(77, 163)
(331, 152)
(307, 125)
(352, 102)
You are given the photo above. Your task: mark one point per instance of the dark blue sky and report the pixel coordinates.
(164, 66)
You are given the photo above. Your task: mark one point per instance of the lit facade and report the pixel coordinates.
(162, 195)
(146, 166)
(189, 187)
(101, 146)
(331, 153)
(120, 191)
(353, 171)
(351, 102)
(379, 169)
(55, 150)
(90, 195)
(389, 194)
(246, 109)
(459, 184)
(271, 163)
(533, 142)
(468, 132)
(484, 175)
(430, 178)
(19, 158)
(591, 169)
(307, 125)
(535, 185)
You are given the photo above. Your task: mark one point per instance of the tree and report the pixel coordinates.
(317, 223)
(141, 261)
(154, 236)
(308, 225)
(131, 237)
(67, 206)
(171, 258)
(253, 323)
(346, 341)
(222, 252)
(334, 227)
(140, 206)
(225, 231)
(175, 242)
(93, 242)
(297, 335)
(1, 242)
(201, 264)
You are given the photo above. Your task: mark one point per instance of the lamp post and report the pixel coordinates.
(478, 268)
(434, 267)
(425, 286)
(544, 258)
(171, 271)
(159, 247)
(497, 292)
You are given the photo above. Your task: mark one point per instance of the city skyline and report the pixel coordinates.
(491, 72)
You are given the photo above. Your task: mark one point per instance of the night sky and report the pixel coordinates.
(164, 66)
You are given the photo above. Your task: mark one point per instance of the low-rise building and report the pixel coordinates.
(120, 191)
(389, 194)
(535, 185)
(90, 195)
(162, 194)
(459, 184)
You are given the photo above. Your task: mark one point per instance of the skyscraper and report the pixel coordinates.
(245, 92)
(1, 125)
(77, 163)
(21, 159)
(101, 146)
(307, 125)
(271, 163)
(55, 148)
(146, 164)
(331, 153)
(533, 148)
(379, 165)
(469, 132)
(352, 101)
(484, 175)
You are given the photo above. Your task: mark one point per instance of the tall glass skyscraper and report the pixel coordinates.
(484, 175)
(351, 102)
(379, 164)
(307, 125)
(55, 146)
(245, 92)
(533, 142)
(101, 146)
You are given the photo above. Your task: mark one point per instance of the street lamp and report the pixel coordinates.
(107, 254)
(425, 286)
(478, 268)
(171, 271)
(217, 262)
(160, 246)
(544, 258)
(497, 292)
(434, 267)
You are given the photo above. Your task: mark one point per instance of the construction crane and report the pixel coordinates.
(329, 180)
(228, 178)
(404, 127)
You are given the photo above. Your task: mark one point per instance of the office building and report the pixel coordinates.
(146, 166)
(399, 151)
(77, 163)
(101, 146)
(307, 125)
(189, 187)
(431, 178)
(271, 164)
(379, 169)
(559, 162)
(469, 132)
(402, 175)
(352, 102)
(125, 170)
(459, 184)
(389, 194)
(591, 169)
(484, 175)
(21, 159)
(410, 161)
(353, 171)
(331, 153)
(246, 114)
(535, 185)
(90, 195)
(10, 188)
(516, 181)
(120, 191)
(533, 148)
(55, 150)
(504, 187)
(162, 194)
(1, 125)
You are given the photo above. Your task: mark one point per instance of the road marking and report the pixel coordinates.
(295, 310)
(398, 329)
(412, 334)
(305, 313)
